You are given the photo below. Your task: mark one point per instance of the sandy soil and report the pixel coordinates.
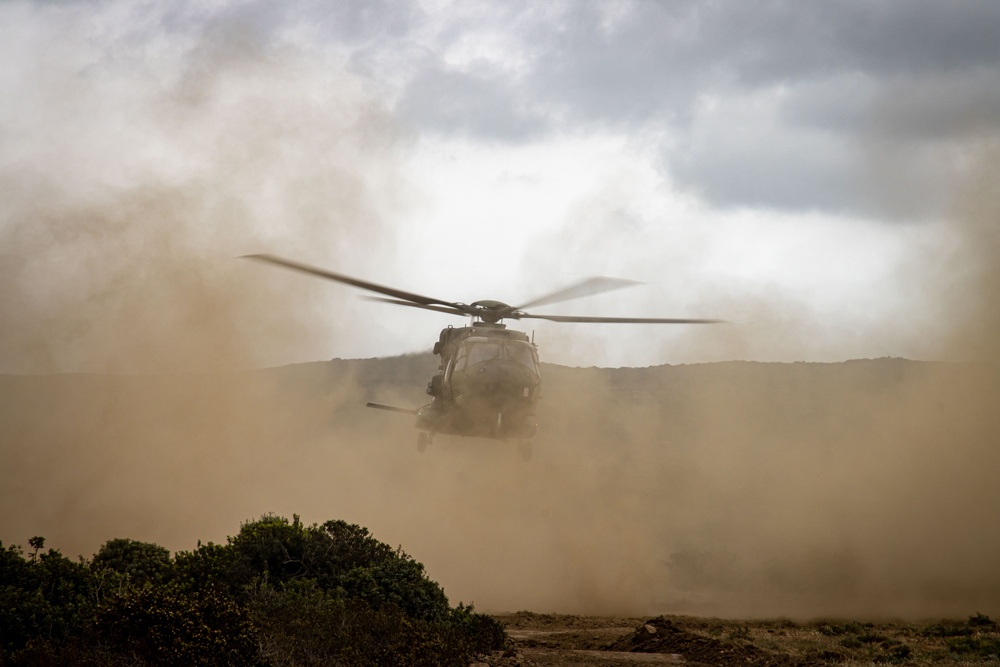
(548, 640)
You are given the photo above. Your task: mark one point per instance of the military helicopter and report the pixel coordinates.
(488, 380)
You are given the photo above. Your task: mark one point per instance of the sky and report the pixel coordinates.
(821, 175)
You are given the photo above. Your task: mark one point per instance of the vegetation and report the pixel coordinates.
(783, 642)
(278, 593)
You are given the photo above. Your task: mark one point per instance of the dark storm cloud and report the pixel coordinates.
(908, 80)
(660, 57)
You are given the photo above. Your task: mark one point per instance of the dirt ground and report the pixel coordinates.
(544, 640)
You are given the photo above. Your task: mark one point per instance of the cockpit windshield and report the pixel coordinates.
(478, 351)
(523, 354)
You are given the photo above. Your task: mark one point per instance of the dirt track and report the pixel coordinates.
(549, 640)
(576, 640)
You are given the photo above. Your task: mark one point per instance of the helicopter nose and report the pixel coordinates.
(504, 375)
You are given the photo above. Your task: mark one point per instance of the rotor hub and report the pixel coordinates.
(491, 311)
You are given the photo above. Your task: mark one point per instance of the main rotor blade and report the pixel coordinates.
(355, 282)
(440, 309)
(612, 320)
(594, 285)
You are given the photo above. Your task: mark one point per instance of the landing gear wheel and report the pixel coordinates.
(423, 439)
(524, 449)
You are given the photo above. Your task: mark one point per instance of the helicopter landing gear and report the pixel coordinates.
(524, 449)
(423, 439)
(497, 428)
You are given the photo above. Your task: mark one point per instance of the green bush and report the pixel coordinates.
(483, 633)
(278, 593)
(339, 557)
(138, 562)
(165, 625)
(211, 566)
(401, 583)
(300, 624)
(47, 598)
(982, 622)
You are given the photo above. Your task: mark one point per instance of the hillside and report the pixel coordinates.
(864, 488)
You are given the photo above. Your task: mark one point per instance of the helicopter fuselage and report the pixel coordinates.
(487, 384)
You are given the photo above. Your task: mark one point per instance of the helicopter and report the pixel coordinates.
(488, 380)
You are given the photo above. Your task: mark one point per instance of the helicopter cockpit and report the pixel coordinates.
(475, 350)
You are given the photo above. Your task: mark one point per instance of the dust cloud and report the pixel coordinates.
(135, 180)
(968, 268)
(862, 488)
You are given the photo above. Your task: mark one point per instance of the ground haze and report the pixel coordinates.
(861, 489)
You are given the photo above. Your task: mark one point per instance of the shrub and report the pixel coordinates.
(165, 625)
(47, 598)
(278, 593)
(483, 633)
(140, 562)
(338, 556)
(401, 583)
(982, 622)
(211, 566)
(301, 624)
(122, 564)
